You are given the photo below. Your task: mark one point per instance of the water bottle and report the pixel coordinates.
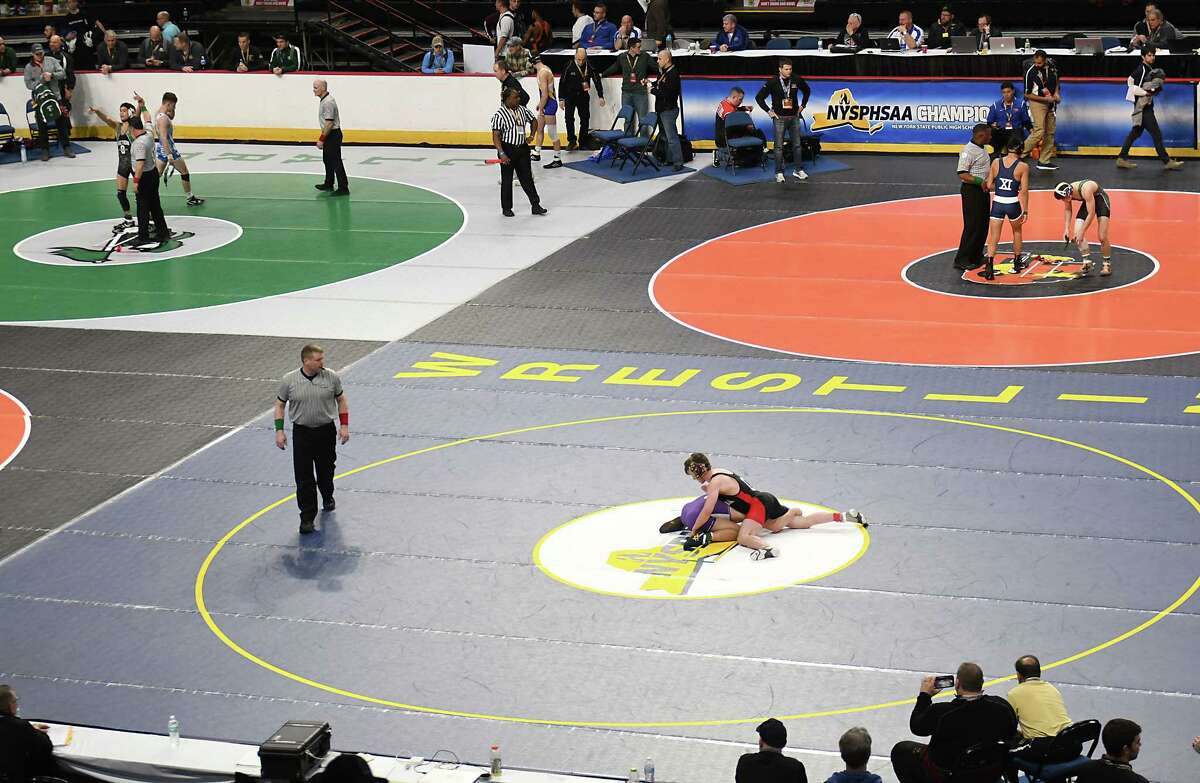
(648, 772)
(173, 731)
(496, 767)
(1028, 46)
(669, 41)
(203, 61)
(632, 778)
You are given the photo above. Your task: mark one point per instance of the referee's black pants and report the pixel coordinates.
(149, 206)
(975, 209)
(331, 154)
(519, 155)
(1150, 125)
(313, 447)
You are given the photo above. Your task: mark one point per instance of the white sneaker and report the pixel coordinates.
(779, 177)
(800, 174)
(766, 553)
(855, 516)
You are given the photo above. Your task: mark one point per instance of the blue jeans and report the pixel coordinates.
(640, 102)
(667, 120)
(792, 125)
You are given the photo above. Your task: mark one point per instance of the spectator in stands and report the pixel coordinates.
(187, 55)
(516, 57)
(575, 90)
(153, 53)
(539, 37)
(348, 768)
(78, 31)
(601, 33)
(658, 22)
(59, 51)
(789, 96)
(582, 20)
(625, 33)
(8, 59)
(732, 38)
(853, 35)
(506, 27)
(509, 81)
(945, 28)
(666, 105)
(1122, 742)
(1157, 30)
(113, 54)
(1009, 119)
(438, 59)
(1042, 96)
(521, 19)
(855, 748)
(44, 77)
(953, 726)
(246, 58)
(285, 58)
(169, 28)
(633, 65)
(27, 747)
(48, 32)
(769, 765)
(1041, 714)
(985, 31)
(908, 34)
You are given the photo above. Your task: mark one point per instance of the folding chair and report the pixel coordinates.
(638, 146)
(1065, 742)
(984, 762)
(7, 131)
(735, 121)
(608, 138)
(779, 43)
(808, 42)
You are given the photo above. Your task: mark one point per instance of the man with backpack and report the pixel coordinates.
(43, 78)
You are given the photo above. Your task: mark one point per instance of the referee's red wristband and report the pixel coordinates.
(344, 418)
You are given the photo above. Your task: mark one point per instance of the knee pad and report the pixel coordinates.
(185, 177)
(552, 131)
(123, 200)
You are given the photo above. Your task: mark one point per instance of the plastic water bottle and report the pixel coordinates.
(1028, 46)
(173, 731)
(496, 769)
(648, 771)
(632, 778)
(203, 61)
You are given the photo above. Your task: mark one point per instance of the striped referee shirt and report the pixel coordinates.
(512, 124)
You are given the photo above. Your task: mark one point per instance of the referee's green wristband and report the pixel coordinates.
(279, 424)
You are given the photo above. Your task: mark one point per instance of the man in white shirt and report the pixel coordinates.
(582, 20)
(910, 36)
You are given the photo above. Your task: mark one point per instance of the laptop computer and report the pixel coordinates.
(963, 44)
(889, 44)
(1004, 43)
(1089, 46)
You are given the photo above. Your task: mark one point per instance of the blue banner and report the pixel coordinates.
(927, 112)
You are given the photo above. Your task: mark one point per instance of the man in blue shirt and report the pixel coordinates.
(908, 34)
(1009, 119)
(732, 38)
(601, 33)
(169, 29)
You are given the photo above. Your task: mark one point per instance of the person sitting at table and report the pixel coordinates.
(985, 31)
(732, 38)
(625, 33)
(601, 33)
(1009, 119)
(853, 35)
(909, 35)
(28, 751)
(1154, 29)
(945, 28)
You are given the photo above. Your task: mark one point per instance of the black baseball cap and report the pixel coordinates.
(773, 733)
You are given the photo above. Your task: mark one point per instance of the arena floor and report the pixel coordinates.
(523, 393)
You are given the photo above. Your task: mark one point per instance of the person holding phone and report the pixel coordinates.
(970, 718)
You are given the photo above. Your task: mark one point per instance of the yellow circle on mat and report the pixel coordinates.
(216, 550)
(618, 551)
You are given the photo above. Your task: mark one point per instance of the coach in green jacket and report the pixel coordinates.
(284, 57)
(633, 64)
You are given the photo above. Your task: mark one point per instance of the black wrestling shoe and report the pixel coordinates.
(697, 542)
(1020, 262)
(554, 164)
(193, 201)
(989, 270)
(766, 553)
(674, 526)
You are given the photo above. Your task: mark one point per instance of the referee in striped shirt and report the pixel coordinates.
(511, 125)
